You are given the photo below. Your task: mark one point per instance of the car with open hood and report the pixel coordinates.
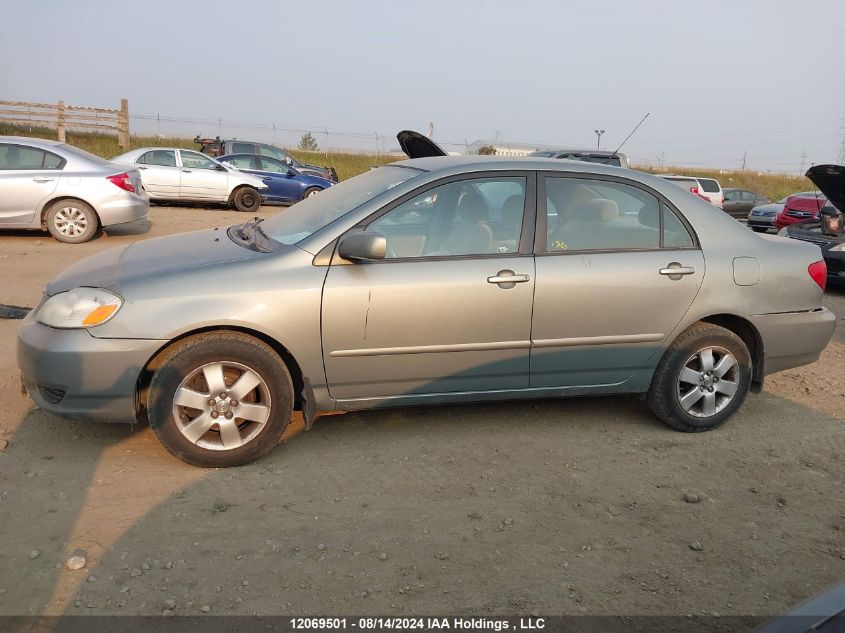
(800, 207)
(826, 229)
(432, 280)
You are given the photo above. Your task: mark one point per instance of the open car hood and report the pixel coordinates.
(830, 179)
(415, 145)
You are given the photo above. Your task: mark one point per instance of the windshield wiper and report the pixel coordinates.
(243, 230)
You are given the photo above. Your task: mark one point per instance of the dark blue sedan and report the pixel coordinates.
(285, 185)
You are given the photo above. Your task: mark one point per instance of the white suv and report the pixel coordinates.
(706, 188)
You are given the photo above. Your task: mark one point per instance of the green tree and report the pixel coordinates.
(308, 143)
(487, 150)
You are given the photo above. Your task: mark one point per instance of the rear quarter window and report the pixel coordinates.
(709, 185)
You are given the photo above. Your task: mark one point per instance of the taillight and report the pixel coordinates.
(694, 190)
(122, 181)
(818, 271)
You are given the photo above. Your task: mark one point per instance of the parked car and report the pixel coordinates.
(799, 208)
(830, 179)
(284, 183)
(182, 175)
(218, 147)
(359, 297)
(52, 186)
(762, 218)
(687, 182)
(738, 202)
(712, 190)
(587, 155)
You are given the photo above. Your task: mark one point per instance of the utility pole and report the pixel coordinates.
(431, 130)
(744, 155)
(803, 160)
(841, 159)
(598, 140)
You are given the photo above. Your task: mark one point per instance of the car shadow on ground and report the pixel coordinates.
(415, 510)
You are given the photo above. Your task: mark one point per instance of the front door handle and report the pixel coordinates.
(507, 279)
(186, 171)
(141, 167)
(43, 179)
(675, 270)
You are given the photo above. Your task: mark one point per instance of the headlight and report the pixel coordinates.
(79, 308)
(838, 247)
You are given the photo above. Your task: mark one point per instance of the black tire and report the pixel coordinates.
(664, 395)
(189, 356)
(246, 199)
(72, 221)
(759, 229)
(311, 191)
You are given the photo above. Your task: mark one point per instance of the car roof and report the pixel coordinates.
(471, 162)
(30, 140)
(581, 150)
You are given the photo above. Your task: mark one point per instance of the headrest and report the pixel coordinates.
(598, 210)
(650, 216)
(512, 209)
(472, 207)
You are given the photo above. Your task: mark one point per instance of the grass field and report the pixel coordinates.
(348, 164)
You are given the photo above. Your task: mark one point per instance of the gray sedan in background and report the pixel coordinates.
(53, 186)
(428, 281)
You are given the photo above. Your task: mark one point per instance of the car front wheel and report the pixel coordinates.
(702, 379)
(246, 199)
(220, 399)
(312, 191)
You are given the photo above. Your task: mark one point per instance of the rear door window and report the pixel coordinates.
(592, 215)
(243, 148)
(25, 157)
(161, 157)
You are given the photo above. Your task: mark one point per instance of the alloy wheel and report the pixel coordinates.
(708, 382)
(222, 405)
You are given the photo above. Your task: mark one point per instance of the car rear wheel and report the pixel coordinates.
(220, 399)
(702, 379)
(312, 191)
(72, 221)
(246, 199)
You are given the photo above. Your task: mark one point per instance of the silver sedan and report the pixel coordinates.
(60, 188)
(170, 173)
(435, 280)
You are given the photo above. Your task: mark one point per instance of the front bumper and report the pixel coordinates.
(75, 375)
(792, 339)
(767, 221)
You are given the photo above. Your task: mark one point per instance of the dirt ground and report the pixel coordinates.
(554, 507)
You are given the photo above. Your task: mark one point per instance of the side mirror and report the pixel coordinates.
(363, 246)
(288, 160)
(292, 172)
(219, 168)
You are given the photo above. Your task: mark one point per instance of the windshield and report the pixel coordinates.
(543, 154)
(71, 149)
(304, 218)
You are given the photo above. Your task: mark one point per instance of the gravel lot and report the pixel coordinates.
(555, 507)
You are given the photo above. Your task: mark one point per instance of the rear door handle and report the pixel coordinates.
(186, 171)
(141, 167)
(507, 279)
(43, 179)
(674, 270)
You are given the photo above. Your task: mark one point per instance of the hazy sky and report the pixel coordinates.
(719, 77)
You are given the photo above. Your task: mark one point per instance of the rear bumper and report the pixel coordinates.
(124, 209)
(792, 339)
(75, 375)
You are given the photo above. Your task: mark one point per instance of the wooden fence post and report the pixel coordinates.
(60, 122)
(123, 125)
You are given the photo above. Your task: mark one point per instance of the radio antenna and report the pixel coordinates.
(632, 133)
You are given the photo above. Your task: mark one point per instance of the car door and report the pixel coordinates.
(606, 295)
(285, 184)
(202, 178)
(28, 175)
(160, 173)
(449, 309)
(732, 203)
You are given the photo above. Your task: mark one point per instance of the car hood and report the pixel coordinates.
(772, 207)
(159, 256)
(415, 145)
(830, 179)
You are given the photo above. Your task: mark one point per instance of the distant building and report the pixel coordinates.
(503, 148)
